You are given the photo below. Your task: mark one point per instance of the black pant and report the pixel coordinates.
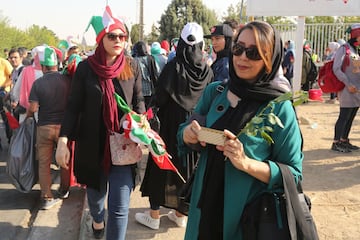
(344, 123)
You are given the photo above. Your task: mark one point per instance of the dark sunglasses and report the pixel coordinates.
(251, 53)
(113, 36)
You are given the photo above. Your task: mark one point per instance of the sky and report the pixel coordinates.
(69, 18)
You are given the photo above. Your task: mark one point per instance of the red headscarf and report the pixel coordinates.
(110, 110)
(165, 45)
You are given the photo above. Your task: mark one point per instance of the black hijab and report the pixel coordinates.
(186, 76)
(262, 89)
(140, 49)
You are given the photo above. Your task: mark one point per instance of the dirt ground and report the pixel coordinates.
(331, 179)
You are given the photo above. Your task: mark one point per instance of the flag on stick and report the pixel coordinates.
(137, 128)
(12, 121)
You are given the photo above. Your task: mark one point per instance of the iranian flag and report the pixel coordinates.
(137, 128)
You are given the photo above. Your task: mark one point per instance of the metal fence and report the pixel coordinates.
(319, 34)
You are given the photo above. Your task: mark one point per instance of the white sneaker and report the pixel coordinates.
(180, 221)
(147, 220)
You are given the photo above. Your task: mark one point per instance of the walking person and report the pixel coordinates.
(91, 115)
(16, 59)
(349, 97)
(309, 70)
(158, 53)
(47, 98)
(5, 86)
(221, 40)
(288, 63)
(149, 71)
(20, 92)
(179, 87)
(232, 175)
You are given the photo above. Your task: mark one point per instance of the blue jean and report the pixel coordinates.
(120, 186)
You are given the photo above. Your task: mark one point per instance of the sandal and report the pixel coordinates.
(98, 233)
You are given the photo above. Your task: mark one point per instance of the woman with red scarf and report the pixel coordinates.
(92, 114)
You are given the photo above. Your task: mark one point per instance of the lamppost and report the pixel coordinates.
(241, 9)
(141, 21)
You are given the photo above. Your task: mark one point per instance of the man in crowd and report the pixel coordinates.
(47, 97)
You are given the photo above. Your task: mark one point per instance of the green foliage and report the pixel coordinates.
(42, 35)
(318, 19)
(154, 35)
(350, 19)
(233, 12)
(180, 12)
(135, 33)
(257, 124)
(6, 32)
(11, 37)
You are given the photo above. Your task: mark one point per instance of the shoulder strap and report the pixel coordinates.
(295, 211)
(20, 70)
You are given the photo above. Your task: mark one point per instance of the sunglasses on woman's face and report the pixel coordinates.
(251, 53)
(114, 36)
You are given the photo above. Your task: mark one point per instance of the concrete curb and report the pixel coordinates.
(61, 221)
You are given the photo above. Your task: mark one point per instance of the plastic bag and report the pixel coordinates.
(22, 168)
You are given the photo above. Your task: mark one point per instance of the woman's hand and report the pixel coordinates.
(62, 154)
(352, 89)
(233, 150)
(190, 134)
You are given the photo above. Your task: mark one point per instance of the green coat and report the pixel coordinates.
(240, 188)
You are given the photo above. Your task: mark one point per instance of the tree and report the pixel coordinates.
(135, 33)
(180, 12)
(154, 35)
(233, 12)
(42, 36)
(11, 37)
(5, 38)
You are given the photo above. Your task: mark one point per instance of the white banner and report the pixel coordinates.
(303, 7)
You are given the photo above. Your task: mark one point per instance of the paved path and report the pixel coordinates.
(21, 219)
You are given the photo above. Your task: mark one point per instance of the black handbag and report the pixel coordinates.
(280, 216)
(265, 218)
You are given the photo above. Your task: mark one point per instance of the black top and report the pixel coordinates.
(50, 92)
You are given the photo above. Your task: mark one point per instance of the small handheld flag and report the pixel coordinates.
(137, 128)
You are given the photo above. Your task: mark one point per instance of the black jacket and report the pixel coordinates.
(84, 123)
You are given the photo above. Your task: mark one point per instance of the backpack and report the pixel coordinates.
(311, 71)
(327, 81)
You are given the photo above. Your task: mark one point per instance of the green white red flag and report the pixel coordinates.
(137, 128)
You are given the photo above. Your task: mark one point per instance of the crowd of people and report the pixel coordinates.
(189, 90)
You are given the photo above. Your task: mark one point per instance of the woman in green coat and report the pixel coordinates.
(221, 189)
